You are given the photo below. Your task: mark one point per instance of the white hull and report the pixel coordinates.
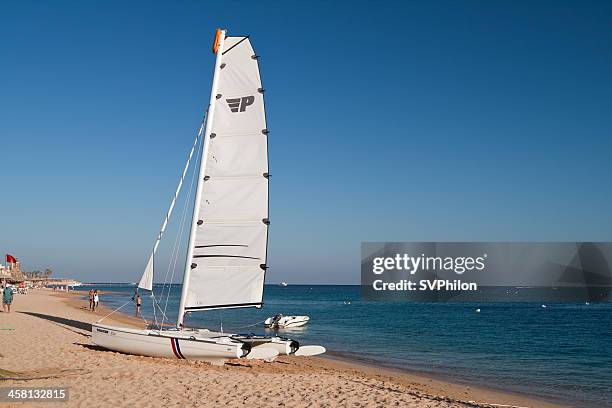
(286, 322)
(283, 345)
(293, 323)
(178, 344)
(191, 344)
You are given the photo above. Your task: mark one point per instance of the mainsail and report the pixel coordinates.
(226, 258)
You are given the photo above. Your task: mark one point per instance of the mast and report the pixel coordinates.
(196, 208)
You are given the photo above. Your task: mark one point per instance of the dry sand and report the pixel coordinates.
(50, 347)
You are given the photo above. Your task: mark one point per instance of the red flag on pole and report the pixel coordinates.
(11, 259)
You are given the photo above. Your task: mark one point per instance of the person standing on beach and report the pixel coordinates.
(7, 298)
(138, 304)
(91, 293)
(96, 299)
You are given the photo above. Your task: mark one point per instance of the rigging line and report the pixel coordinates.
(116, 310)
(178, 189)
(182, 226)
(250, 325)
(156, 303)
(168, 284)
(198, 139)
(154, 314)
(175, 254)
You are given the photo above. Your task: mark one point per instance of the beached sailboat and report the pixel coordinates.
(227, 252)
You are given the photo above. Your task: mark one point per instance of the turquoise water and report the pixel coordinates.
(562, 352)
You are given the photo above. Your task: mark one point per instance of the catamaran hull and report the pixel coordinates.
(167, 344)
(282, 345)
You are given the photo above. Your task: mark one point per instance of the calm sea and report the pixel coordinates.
(562, 352)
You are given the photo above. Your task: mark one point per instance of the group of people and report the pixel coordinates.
(7, 298)
(94, 299)
(7, 292)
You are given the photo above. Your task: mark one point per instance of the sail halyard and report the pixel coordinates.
(201, 173)
(146, 280)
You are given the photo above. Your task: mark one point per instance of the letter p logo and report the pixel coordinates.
(240, 104)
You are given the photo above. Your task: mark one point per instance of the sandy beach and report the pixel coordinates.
(45, 342)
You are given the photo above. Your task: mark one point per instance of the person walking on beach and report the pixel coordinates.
(7, 298)
(138, 304)
(96, 299)
(91, 293)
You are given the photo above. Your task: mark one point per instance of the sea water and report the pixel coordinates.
(561, 352)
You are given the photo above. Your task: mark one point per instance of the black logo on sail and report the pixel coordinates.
(240, 104)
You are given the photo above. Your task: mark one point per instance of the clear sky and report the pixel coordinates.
(404, 121)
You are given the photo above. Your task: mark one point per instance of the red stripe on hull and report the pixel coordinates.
(174, 349)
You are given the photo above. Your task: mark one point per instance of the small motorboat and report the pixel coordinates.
(285, 322)
(284, 284)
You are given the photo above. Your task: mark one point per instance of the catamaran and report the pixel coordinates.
(226, 257)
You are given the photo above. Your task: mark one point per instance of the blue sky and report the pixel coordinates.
(406, 121)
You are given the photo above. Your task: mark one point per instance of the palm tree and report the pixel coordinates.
(48, 273)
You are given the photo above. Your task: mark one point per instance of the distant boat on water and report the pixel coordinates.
(285, 322)
(284, 284)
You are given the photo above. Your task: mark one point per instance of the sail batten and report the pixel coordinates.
(228, 246)
(225, 306)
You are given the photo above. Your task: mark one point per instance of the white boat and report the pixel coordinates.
(226, 257)
(285, 322)
(283, 284)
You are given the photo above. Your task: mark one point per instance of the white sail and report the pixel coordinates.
(228, 246)
(146, 281)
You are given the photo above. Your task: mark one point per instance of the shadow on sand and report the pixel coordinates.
(56, 319)
(91, 346)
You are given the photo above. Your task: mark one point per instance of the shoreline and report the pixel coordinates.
(454, 388)
(444, 381)
(321, 381)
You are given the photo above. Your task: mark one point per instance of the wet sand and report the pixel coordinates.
(49, 346)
